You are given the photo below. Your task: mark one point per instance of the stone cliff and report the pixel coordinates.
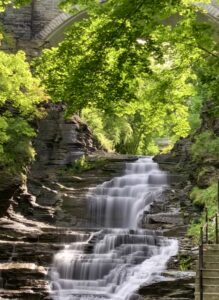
(38, 214)
(181, 155)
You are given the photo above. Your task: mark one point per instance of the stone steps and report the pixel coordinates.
(206, 273)
(210, 274)
(207, 296)
(213, 252)
(211, 265)
(211, 258)
(209, 288)
(211, 247)
(210, 281)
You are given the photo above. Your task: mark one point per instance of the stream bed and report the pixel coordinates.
(117, 257)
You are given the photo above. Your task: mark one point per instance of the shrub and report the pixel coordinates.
(203, 198)
(206, 146)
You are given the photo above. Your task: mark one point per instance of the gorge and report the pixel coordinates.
(102, 232)
(86, 211)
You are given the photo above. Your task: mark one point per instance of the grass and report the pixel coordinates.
(203, 198)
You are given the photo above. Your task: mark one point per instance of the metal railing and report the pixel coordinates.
(204, 239)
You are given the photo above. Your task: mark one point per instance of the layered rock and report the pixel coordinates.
(37, 225)
(41, 214)
(61, 140)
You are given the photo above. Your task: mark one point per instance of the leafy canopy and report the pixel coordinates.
(19, 104)
(20, 98)
(133, 60)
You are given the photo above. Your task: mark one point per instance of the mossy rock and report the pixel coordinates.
(8, 180)
(207, 176)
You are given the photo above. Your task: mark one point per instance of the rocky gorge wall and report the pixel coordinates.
(43, 213)
(181, 154)
(40, 214)
(59, 143)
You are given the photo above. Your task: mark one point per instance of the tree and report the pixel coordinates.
(20, 103)
(20, 98)
(137, 60)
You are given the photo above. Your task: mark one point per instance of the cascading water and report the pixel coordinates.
(115, 260)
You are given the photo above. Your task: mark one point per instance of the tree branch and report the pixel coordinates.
(207, 51)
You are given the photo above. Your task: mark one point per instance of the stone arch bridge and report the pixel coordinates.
(37, 25)
(41, 24)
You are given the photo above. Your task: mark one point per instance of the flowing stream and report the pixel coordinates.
(114, 261)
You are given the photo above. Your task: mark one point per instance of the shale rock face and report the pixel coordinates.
(40, 220)
(60, 141)
(8, 185)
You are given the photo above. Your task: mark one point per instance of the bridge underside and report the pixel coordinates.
(54, 31)
(38, 26)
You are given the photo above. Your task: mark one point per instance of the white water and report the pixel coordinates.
(117, 259)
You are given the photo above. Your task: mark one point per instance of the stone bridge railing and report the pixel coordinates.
(212, 9)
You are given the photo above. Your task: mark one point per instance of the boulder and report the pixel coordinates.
(165, 218)
(175, 285)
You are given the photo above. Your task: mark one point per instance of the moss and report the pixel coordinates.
(206, 146)
(82, 165)
(185, 262)
(203, 198)
(206, 176)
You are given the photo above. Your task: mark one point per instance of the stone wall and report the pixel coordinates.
(24, 25)
(17, 22)
(43, 12)
(28, 21)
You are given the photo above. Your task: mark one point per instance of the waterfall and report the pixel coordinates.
(118, 257)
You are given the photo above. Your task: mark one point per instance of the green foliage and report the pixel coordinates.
(131, 65)
(80, 165)
(185, 262)
(19, 104)
(95, 120)
(14, 3)
(195, 105)
(83, 164)
(206, 146)
(117, 133)
(127, 62)
(203, 198)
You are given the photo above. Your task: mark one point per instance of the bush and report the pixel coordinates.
(206, 146)
(82, 165)
(20, 103)
(203, 198)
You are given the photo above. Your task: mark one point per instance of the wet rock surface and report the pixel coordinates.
(32, 232)
(41, 215)
(37, 225)
(176, 285)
